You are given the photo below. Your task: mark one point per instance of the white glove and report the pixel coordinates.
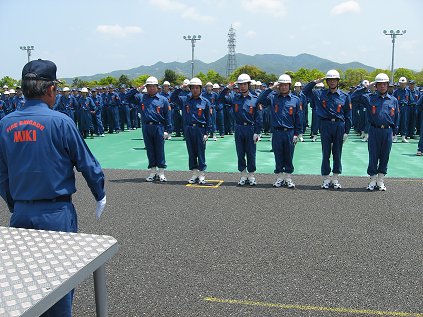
(256, 137)
(165, 135)
(295, 139)
(100, 207)
(205, 138)
(139, 115)
(345, 137)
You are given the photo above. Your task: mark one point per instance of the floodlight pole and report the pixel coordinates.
(393, 34)
(28, 49)
(193, 39)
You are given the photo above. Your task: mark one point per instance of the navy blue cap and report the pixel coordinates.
(411, 82)
(40, 69)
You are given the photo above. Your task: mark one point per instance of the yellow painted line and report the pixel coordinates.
(218, 183)
(312, 308)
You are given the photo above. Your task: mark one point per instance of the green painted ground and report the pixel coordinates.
(126, 151)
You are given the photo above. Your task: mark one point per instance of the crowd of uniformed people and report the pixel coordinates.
(248, 109)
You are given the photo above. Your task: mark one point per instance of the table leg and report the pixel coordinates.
(100, 291)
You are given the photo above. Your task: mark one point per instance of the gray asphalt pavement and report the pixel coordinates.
(257, 251)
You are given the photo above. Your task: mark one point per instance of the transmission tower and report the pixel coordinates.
(231, 65)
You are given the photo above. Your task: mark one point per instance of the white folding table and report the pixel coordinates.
(37, 268)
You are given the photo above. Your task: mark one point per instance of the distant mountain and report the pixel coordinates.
(270, 63)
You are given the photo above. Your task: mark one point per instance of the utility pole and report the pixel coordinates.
(193, 39)
(393, 34)
(28, 49)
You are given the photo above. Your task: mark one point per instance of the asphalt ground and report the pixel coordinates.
(259, 251)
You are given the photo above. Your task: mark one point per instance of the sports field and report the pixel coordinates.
(126, 151)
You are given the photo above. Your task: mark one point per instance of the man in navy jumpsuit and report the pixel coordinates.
(420, 124)
(333, 107)
(248, 125)
(402, 94)
(39, 149)
(197, 127)
(383, 116)
(284, 108)
(156, 126)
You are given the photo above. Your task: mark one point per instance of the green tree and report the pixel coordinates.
(140, 81)
(353, 77)
(404, 72)
(9, 81)
(109, 80)
(419, 78)
(305, 75)
(124, 80)
(79, 83)
(254, 72)
(171, 76)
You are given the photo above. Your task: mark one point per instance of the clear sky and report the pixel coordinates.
(86, 37)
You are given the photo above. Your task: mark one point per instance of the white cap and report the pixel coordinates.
(65, 89)
(195, 82)
(244, 78)
(84, 89)
(298, 84)
(216, 86)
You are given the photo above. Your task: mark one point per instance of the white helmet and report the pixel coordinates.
(185, 82)
(402, 80)
(5, 87)
(298, 84)
(84, 89)
(244, 78)
(166, 83)
(284, 79)
(7, 92)
(365, 83)
(320, 85)
(12, 91)
(253, 82)
(382, 78)
(258, 83)
(195, 82)
(151, 81)
(209, 84)
(216, 86)
(65, 89)
(333, 73)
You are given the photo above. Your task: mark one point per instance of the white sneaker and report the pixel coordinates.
(326, 183)
(278, 183)
(162, 177)
(372, 183)
(214, 137)
(201, 179)
(194, 177)
(365, 138)
(289, 183)
(314, 138)
(404, 140)
(151, 177)
(252, 180)
(336, 184)
(169, 137)
(242, 181)
(301, 138)
(380, 182)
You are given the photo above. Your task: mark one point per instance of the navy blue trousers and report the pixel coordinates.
(379, 145)
(154, 145)
(245, 147)
(196, 147)
(283, 149)
(331, 136)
